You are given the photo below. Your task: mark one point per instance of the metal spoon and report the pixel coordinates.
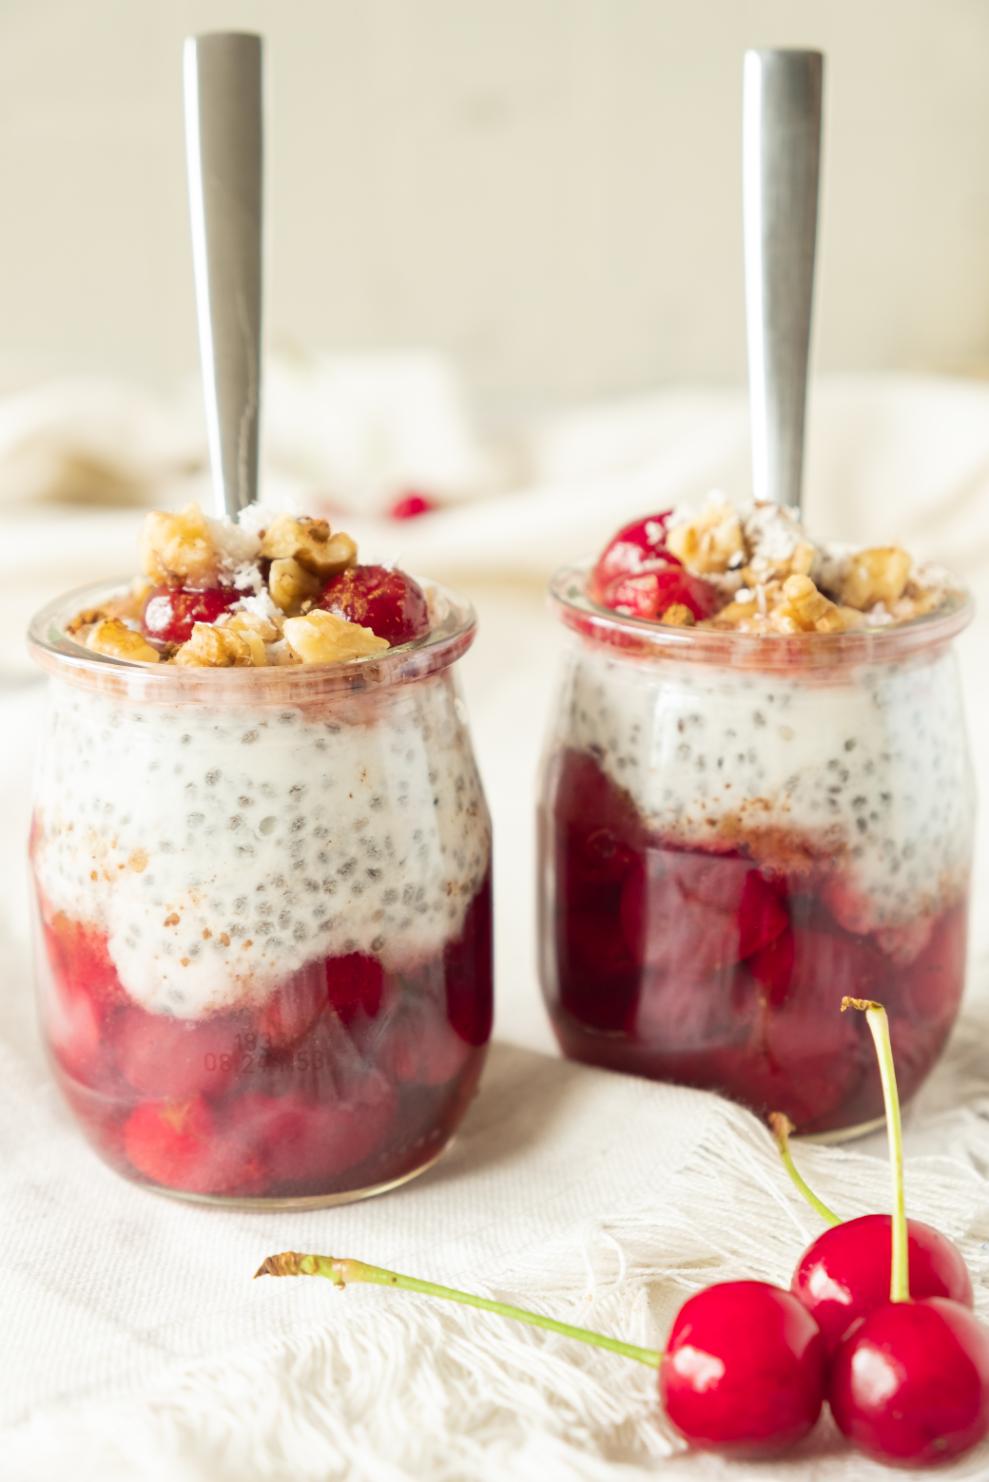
(781, 145)
(223, 115)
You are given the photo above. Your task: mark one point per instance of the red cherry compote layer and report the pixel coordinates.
(722, 970)
(348, 1077)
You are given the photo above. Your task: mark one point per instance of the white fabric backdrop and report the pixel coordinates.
(139, 1346)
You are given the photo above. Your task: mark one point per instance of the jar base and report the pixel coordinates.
(298, 1202)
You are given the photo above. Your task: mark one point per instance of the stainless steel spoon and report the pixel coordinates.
(781, 145)
(223, 115)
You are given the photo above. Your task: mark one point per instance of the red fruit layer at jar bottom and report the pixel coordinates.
(344, 1079)
(700, 967)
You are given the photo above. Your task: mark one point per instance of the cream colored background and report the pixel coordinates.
(546, 188)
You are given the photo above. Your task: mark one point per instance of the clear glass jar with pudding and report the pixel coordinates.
(263, 892)
(744, 820)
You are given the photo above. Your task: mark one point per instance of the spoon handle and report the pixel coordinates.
(781, 146)
(223, 114)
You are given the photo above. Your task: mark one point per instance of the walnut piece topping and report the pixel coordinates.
(112, 637)
(710, 543)
(803, 609)
(291, 584)
(766, 566)
(310, 543)
(791, 606)
(213, 647)
(251, 625)
(879, 574)
(129, 604)
(179, 547)
(320, 637)
(677, 616)
(917, 601)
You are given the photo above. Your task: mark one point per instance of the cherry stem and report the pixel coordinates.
(342, 1271)
(781, 1127)
(899, 1284)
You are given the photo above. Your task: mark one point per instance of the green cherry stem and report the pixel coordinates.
(342, 1272)
(781, 1127)
(899, 1285)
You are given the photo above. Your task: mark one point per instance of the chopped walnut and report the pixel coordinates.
(85, 618)
(251, 623)
(179, 547)
(310, 543)
(879, 574)
(804, 609)
(112, 637)
(765, 567)
(677, 616)
(213, 647)
(321, 637)
(746, 613)
(792, 606)
(129, 604)
(290, 584)
(710, 543)
(256, 631)
(917, 601)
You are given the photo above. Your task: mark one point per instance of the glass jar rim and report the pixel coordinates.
(645, 639)
(55, 650)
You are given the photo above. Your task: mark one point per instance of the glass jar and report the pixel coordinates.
(263, 914)
(734, 832)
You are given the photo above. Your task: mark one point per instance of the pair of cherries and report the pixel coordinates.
(877, 1321)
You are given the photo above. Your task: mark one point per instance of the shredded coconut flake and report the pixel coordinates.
(259, 604)
(248, 578)
(235, 546)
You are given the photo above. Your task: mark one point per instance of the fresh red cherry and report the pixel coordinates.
(845, 1274)
(648, 594)
(637, 547)
(636, 575)
(410, 505)
(744, 1370)
(381, 598)
(910, 1384)
(170, 613)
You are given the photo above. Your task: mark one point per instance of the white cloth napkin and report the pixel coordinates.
(135, 1344)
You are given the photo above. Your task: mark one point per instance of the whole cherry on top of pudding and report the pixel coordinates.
(266, 589)
(639, 575)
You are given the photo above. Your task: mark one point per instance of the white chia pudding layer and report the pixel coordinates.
(222, 849)
(870, 766)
